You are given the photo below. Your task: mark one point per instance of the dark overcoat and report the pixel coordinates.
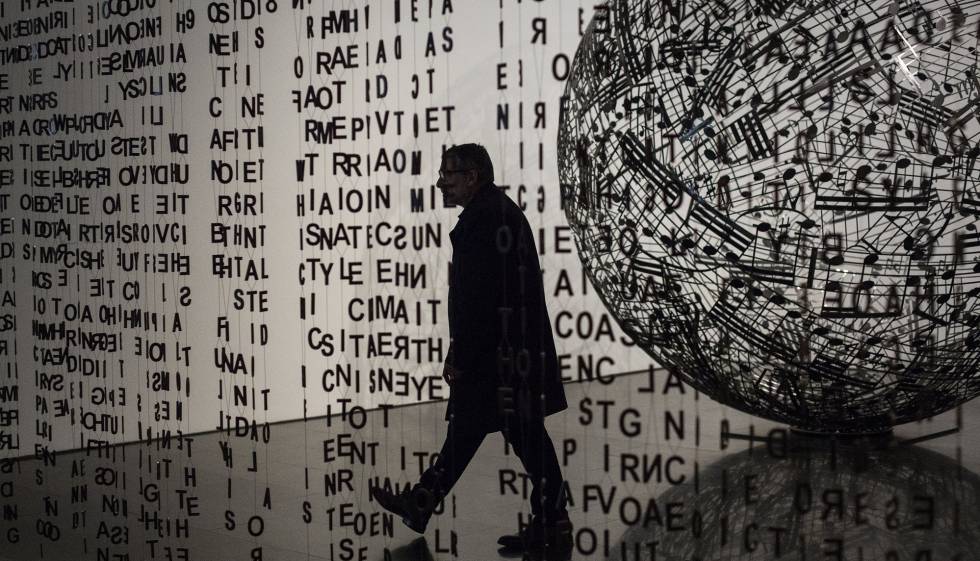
(500, 331)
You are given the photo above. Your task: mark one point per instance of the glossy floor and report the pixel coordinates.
(653, 472)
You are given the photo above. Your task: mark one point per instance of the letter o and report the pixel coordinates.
(361, 413)
(586, 549)
(561, 59)
(252, 523)
(635, 504)
(110, 204)
(584, 328)
(634, 242)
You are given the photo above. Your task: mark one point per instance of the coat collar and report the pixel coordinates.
(480, 199)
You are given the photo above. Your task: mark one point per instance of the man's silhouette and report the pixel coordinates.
(501, 367)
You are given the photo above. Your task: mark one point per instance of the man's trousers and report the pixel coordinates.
(531, 443)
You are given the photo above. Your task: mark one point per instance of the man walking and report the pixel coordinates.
(501, 367)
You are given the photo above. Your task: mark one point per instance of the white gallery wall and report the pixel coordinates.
(218, 215)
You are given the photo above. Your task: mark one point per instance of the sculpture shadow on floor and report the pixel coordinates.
(814, 502)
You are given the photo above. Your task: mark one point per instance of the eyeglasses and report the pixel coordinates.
(444, 172)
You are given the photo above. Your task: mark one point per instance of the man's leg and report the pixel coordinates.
(415, 505)
(549, 534)
(532, 444)
(463, 439)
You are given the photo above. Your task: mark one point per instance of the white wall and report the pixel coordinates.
(59, 405)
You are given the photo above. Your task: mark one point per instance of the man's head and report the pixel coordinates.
(465, 168)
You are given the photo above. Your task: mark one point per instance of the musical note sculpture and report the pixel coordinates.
(779, 199)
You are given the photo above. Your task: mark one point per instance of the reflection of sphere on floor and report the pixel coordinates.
(780, 201)
(809, 505)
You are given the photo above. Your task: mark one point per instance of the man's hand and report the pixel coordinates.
(450, 373)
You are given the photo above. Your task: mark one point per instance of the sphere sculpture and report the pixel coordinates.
(778, 199)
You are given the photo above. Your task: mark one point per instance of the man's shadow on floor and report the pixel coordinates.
(418, 550)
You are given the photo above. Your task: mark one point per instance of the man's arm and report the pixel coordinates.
(449, 371)
(480, 285)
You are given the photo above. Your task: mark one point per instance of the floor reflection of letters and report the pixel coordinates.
(849, 503)
(294, 498)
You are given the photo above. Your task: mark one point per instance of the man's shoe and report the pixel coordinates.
(558, 536)
(552, 543)
(514, 542)
(414, 505)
